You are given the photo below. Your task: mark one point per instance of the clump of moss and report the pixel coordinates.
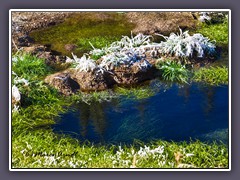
(212, 75)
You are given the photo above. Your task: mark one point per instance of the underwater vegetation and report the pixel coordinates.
(82, 28)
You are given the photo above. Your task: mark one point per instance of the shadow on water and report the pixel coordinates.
(177, 113)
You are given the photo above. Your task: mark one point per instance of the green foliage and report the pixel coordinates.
(43, 149)
(33, 70)
(173, 71)
(212, 75)
(218, 32)
(30, 67)
(97, 42)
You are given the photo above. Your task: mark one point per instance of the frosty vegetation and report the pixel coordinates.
(130, 50)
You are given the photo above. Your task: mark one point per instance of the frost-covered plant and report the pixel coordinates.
(83, 64)
(127, 43)
(114, 59)
(97, 53)
(185, 45)
(17, 80)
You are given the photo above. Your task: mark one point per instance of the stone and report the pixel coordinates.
(94, 80)
(63, 82)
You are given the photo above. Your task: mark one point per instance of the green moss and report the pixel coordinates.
(218, 32)
(212, 75)
(98, 28)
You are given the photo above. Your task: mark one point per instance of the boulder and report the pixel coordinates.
(94, 80)
(63, 82)
(126, 75)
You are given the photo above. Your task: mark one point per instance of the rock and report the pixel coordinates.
(161, 22)
(70, 47)
(25, 41)
(93, 81)
(125, 75)
(63, 83)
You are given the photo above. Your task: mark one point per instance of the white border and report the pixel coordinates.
(115, 10)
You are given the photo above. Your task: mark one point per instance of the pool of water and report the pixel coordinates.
(100, 29)
(177, 113)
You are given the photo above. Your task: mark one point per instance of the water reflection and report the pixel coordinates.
(178, 113)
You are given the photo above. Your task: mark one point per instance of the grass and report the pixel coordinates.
(173, 71)
(35, 145)
(218, 32)
(97, 42)
(212, 75)
(30, 67)
(43, 149)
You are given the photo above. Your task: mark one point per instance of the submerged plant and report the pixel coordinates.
(212, 75)
(137, 93)
(185, 45)
(173, 71)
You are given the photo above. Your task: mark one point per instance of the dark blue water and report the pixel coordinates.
(177, 113)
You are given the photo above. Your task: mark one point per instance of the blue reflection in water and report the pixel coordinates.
(178, 113)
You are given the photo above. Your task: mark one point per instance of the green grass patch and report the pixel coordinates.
(44, 149)
(212, 75)
(218, 32)
(173, 71)
(30, 67)
(98, 42)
